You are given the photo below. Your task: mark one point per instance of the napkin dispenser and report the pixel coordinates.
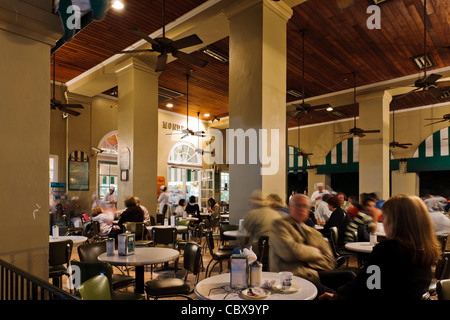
(239, 270)
(126, 244)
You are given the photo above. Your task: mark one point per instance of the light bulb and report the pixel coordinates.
(118, 5)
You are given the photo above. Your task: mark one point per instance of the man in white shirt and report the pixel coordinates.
(317, 195)
(110, 198)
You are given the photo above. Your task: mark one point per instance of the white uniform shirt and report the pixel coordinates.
(163, 200)
(316, 194)
(108, 198)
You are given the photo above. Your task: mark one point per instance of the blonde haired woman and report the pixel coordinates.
(399, 267)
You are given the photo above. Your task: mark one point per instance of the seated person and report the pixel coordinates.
(404, 260)
(322, 212)
(179, 211)
(338, 219)
(363, 223)
(132, 213)
(193, 209)
(106, 218)
(302, 250)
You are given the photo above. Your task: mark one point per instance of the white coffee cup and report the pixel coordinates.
(285, 280)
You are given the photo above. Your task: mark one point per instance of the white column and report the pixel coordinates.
(138, 131)
(257, 99)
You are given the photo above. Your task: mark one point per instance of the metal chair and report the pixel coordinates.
(96, 288)
(166, 238)
(175, 287)
(219, 256)
(443, 289)
(59, 256)
(139, 229)
(334, 242)
(223, 238)
(89, 253)
(88, 270)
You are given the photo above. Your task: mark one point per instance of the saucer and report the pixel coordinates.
(291, 289)
(255, 293)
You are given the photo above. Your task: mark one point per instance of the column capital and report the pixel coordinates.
(280, 8)
(147, 65)
(30, 21)
(385, 96)
(78, 98)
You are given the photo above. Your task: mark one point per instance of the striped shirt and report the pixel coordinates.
(360, 220)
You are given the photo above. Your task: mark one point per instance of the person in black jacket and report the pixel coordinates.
(193, 209)
(133, 212)
(398, 268)
(339, 219)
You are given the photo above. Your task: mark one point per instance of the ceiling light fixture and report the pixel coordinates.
(206, 115)
(215, 54)
(169, 105)
(330, 108)
(118, 5)
(294, 93)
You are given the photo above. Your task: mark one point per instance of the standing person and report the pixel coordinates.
(259, 220)
(403, 261)
(163, 201)
(302, 250)
(317, 195)
(110, 199)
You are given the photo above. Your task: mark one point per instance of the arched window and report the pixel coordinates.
(107, 168)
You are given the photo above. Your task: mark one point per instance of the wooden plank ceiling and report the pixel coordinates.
(337, 43)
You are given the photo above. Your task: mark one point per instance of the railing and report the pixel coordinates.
(17, 284)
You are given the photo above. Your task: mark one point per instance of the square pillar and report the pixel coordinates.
(138, 132)
(257, 100)
(374, 153)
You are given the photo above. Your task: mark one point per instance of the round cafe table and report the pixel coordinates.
(75, 239)
(234, 234)
(141, 258)
(212, 288)
(362, 247)
(179, 228)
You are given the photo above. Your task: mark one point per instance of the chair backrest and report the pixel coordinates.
(164, 236)
(200, 231)
(263, 246)
(152, 221)
(443, 267)
(191, 258)
(88, 270)
(96, 288)
(90, 251)
(210, 241)
(443, 241)
(334, 237)
(138, 228)
(184, 223)
(443, 289)
(60, 252)
(159, 218)
(226, 227)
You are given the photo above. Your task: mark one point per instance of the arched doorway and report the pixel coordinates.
(184, 167)
(107, 167)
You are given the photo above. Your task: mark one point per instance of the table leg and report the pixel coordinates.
(139, 274)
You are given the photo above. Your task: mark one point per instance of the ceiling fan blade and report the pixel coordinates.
(134, 51)
(190, 58)
(69, 111)
(79, 106)
(431, 79)
(434, 91)
(406, 94)
(185, 42)
(142, 35)
(370, 131)
(435, 122)
(161, 62)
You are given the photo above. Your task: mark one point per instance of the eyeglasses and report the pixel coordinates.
(301, 205)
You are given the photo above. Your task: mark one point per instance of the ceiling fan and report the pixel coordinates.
(165, 45)
(186, 132)
(304, 108)
(56, 104)
(199, 150)
(300, 152)
(428, 83)
(445, 117)
(356, 131)
(395, 144)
